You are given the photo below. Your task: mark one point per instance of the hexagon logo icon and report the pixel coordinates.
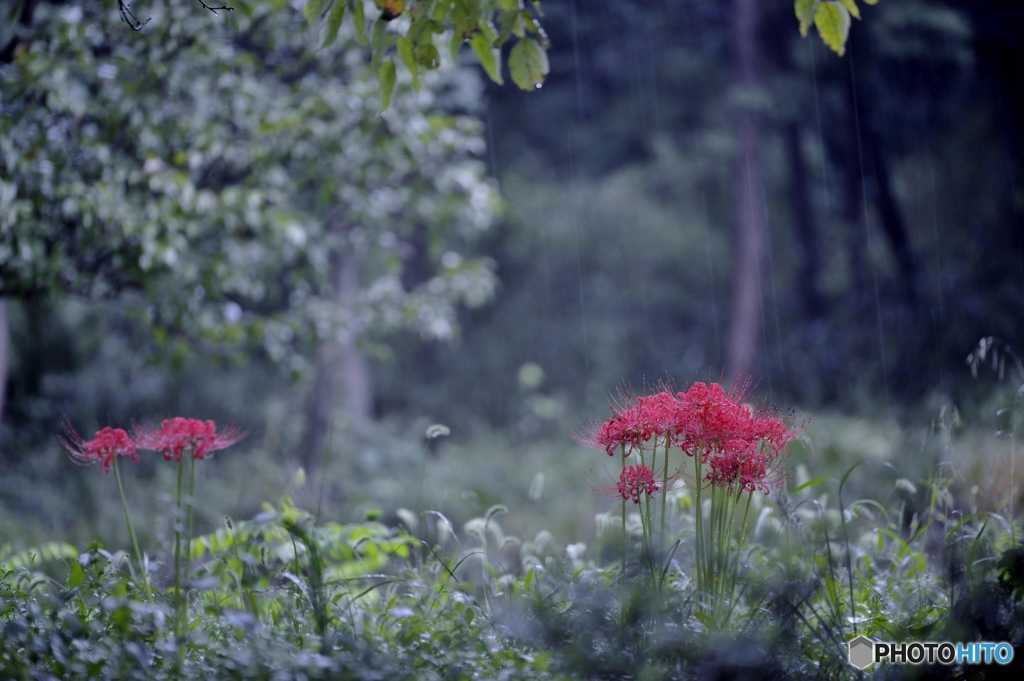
(862, 652)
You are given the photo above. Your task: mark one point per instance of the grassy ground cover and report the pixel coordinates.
(495, 559)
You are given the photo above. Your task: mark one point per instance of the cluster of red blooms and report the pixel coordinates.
(173, 437)
(178, 434)
(107, 444)
(634, 481)
(737, 446)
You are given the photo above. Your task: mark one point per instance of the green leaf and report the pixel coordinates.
(76, 576)
(359, 19)
(31, 557)
(809, 483)
(528, 63)
(871, 2)
(833, 22)
(805, 14)
(851, 7)
(387, 83)
(455, 44)
(509, 24)
(408, 54)
(534, 27)
(427, 56)
(334, 20)
(419, 30)
(489, 57)
(314, 10)
(380, 45)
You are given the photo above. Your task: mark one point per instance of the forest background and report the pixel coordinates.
(211, 217)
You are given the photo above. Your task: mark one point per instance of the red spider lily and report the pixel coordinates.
(714, 416)
(619, 430)
(742, 448)
(742, 465)
(707, 422)
(634, 422)
(634, 481)
(178, 434)
(104, 446)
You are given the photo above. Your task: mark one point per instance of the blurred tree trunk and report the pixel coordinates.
(868, 159)
(806, 227)
(745, 321)
(5, 348)
(893, 222)
(854, 199)
(356, 379)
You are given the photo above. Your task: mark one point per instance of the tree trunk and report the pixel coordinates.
(5, 348)
(321, 407)
(854, 202)
(806, 228)
(745, 322)
(356, 378)
(893, 223)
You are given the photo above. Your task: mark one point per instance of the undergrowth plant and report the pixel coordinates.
(736, 571)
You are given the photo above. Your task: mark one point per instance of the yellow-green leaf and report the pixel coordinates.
(387, 83)
(833, 22)
(489, 57)
(334, 19)
(314, 10)
(427, 56)
(805, 14)
(528, 64)
(871, 2)
(851, 7)
(359, 19)
(408, 54)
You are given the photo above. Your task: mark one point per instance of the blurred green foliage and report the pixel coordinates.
(286, 594)
(211, 174)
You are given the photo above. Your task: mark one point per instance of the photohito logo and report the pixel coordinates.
(865, 652)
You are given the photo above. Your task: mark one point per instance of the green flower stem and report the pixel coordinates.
(645, 510)
(648, 525)
(131, 533)
(702, 557)
(728, 566)
(664, 487)
(188, 533)
(622, 449)
(177, 555)
(739, 547)
(716, 539)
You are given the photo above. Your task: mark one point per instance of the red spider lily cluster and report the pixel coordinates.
(104, 446)
(736, 446)
(634, 481)
(179, 434)
(173, 437)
